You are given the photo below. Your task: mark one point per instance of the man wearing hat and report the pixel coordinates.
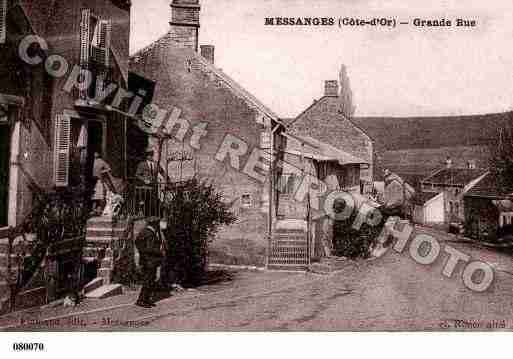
(146, 169)
(151, 247)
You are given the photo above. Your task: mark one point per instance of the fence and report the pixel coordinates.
(145, 200)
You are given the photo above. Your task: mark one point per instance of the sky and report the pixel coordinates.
(406, 71)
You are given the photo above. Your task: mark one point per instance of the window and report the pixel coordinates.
(95, 42)
(287, 183)
(62, 150)
(246, 200)
(3, 21)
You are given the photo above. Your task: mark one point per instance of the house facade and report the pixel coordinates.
(51, 124)
(454, 183)
(488, 210)
(221, 132)
(428, 208)
(324, 121)
(63, 68)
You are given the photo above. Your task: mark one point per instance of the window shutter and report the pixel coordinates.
(3, 21)
(85, 44)
(104, 39)
(62, 150)
(85, 34)
(101, 48)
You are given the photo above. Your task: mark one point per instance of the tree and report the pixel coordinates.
(346, 95)
(501, 159)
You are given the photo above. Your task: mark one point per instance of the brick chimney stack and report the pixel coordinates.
(331, 88)
(185, 23)
(207, 51)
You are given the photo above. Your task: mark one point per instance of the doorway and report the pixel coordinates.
(5, 153)
(95, 142)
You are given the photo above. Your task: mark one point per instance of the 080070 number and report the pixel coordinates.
(23, 347)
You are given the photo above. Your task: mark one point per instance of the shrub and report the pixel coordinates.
(194, 213)
(350, 242)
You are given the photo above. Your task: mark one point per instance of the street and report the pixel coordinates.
(389, 293)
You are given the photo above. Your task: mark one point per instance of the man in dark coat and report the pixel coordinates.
(149, 243)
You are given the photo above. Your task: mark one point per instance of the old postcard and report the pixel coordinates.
(278, 165)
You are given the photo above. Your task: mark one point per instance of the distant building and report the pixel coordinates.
(419, 146)
(324, 121)
(454, 183)
(487, 209)
(428, 208)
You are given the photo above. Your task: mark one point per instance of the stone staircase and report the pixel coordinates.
(289, 250)
(101, 238)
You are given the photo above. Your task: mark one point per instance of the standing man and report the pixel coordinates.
(150, 244)
(145, 172)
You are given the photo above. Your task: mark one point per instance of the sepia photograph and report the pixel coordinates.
(255, 166)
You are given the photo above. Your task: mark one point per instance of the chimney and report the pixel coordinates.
(331, 88)
(207, 51)
(185, 23)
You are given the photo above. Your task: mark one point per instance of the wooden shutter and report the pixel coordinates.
(62, 150)
(105, 38)
(3, 21)
(85, 44)
(85, 36)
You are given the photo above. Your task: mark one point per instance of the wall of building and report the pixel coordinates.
(323, 122)
(481, 218)
(181, 84)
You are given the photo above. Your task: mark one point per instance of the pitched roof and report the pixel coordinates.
(319, 150)
(454, 176)
(205, 65)
(423, 197)
(395, 133)
(486, 188)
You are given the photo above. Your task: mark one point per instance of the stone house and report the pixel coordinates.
(454, 183)
(57, 59)
(487, 209)
(428, 208)
(221, 132)
(324, 121)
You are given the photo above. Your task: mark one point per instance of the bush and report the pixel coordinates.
(351, 243)
(194, 213)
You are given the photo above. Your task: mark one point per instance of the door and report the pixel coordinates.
(5, 141)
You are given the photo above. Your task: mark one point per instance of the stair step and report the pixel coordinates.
(105, 291)
(93, 285)
(98, 240)
(107, 262)
(289, 245)
(285, 267)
